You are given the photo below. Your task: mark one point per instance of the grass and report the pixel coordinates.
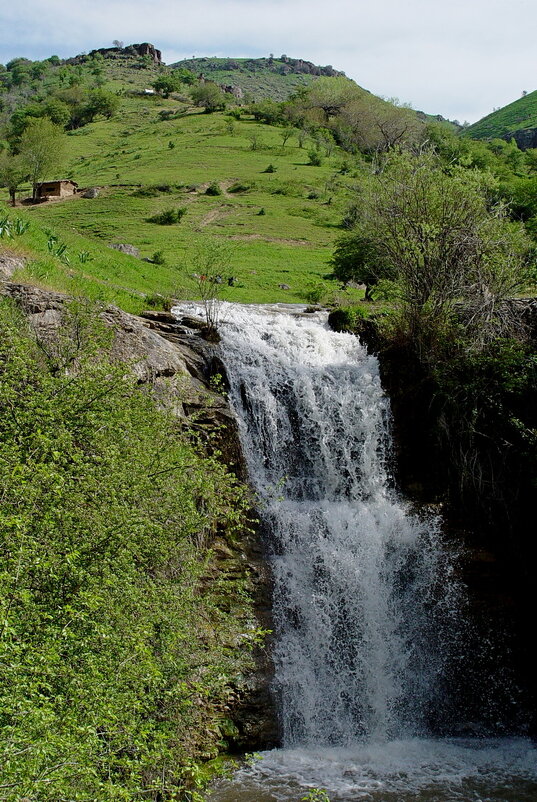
(520, 114)
(290, 242)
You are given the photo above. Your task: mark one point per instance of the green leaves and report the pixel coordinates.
(109, 634)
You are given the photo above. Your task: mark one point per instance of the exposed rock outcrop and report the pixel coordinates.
(485, 490)
(525, 138)
(9, 263)
(143, 49)
(124, 247)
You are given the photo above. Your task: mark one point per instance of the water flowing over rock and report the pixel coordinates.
(356, 576)
(366, 607)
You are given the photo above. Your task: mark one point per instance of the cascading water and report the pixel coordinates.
(365, 605)
(357, 580)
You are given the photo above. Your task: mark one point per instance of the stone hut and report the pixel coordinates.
(48, 190)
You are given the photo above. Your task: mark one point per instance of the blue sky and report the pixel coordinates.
(459, 59)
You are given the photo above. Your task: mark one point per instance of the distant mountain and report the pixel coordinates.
(517, 120)
(259, 78)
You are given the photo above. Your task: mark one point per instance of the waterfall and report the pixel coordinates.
(366, 608)
(363, 589)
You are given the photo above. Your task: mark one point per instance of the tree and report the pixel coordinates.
(331, 95)
(12, 174)
(41, 150)
(357, 259)
(101, 103)
(445, 240)
(212, 263)
(209, 96)
(166, 84)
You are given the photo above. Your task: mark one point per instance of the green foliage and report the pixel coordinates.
(444, 241)
(158, 258)
(314, 157)
(239, 186)
(344, 318)
(168, 217)
(316, 795)
(168, 82)
(213, 189)
(114, 651)
(209, 96)
(356, 258)
(152, 191)
(42, 149)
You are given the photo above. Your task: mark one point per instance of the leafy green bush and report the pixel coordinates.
(168, 217)
(152, 190)
(239, 186)
(115, 654)
(345, 318)
(213, 189)
(158, 258)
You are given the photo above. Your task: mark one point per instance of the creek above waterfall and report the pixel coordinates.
(368, 614)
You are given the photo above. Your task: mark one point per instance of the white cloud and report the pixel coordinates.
(458, 59)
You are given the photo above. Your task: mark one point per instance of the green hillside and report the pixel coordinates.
(258, 78)
(519, 116)
(281, 224)
(275, 212)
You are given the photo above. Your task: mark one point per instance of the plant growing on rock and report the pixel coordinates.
(212, 264)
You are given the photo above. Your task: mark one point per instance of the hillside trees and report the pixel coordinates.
(209, 96)
(166, 83)
(13, 172)
(41, 150)
(356, 258)
(446, 241)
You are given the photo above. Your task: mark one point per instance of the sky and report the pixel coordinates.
(458, 58)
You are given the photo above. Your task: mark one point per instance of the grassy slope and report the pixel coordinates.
(289, 244)
(520, 114)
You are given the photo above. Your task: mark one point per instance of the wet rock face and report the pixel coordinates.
(498, 557)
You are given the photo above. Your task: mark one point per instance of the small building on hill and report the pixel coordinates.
(48, 190)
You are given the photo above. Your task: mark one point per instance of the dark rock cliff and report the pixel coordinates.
(484, 487)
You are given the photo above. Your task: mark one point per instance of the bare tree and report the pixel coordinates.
(212, 263)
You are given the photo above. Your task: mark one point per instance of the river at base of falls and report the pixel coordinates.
(366, 603)
(415, 770)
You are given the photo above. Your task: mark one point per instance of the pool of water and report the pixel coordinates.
(417, 770)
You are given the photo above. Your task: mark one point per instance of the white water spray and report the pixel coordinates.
(365, 604)
(360, 584)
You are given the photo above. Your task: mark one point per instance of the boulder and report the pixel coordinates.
(9, 262)
(92, 192)
(124, 247)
